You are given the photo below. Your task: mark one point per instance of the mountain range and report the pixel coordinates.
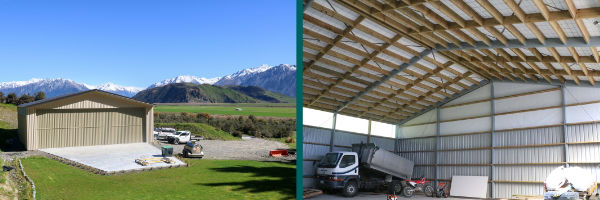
(280, 79)
(205, 93)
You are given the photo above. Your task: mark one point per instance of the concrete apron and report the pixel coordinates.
(112, 159)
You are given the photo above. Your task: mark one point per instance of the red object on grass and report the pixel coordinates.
(278, 153)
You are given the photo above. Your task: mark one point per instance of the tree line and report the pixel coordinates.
(236, 126)
(14, 99)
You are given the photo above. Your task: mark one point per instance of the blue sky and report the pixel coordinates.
(138, 43)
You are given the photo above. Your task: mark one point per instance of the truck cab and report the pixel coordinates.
(339, 170)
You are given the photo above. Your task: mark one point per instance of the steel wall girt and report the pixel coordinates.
(529, 43)
(394, 72)
(438, 104)
(568, 83)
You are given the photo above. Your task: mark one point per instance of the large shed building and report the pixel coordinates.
(92, 117)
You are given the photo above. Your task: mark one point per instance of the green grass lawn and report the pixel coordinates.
(8, 123)
(226, 110)
(205, 179)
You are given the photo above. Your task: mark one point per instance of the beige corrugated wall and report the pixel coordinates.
(86, 127)
(36, 135)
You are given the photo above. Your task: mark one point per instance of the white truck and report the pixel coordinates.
(181, 137)
(365, 167)
(161, 133)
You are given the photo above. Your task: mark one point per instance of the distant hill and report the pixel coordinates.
(205, 93)
(262, 94)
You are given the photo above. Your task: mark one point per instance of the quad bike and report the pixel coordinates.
(442, 190)
(392, 196)
(420, 185)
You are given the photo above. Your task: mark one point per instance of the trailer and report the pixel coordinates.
(365, 167)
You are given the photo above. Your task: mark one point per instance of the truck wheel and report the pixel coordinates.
(185, 154)
(350, 189)
(176, 141)
(395, 187)
(408, 191)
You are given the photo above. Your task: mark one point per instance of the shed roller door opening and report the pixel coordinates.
(86, 127)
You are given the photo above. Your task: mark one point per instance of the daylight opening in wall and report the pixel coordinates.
(383, 129)
(317, 118)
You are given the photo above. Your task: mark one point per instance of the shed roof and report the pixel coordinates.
(74, 94)
(392, 60)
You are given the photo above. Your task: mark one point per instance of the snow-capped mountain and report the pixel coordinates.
(127, 91)
(280, 78)
(250, 71)
(186, 79)
(59, 86)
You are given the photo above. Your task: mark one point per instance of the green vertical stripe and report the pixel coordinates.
(299, 133)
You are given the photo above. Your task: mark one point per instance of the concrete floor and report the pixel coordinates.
(110, 158)
(380, 196)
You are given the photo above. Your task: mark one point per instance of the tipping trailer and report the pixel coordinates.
(365, 167)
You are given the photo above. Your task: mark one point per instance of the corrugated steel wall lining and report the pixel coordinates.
(342, 149)
(541, 100)
(308, 183)
(483, 156)
(383, 143)
(506, 190)
(584, 152)
(428, 171)
(523, 172)
(86, 127)
(583, 133)
(316, 135)
(544, 154)
(466, 141)
(311, 151)
(466, 126)
(466, 111)
(418, 131)
(535, 136)
(420, 158)
(418, 144)
(347, 139)
(446, 172)
(309, 169)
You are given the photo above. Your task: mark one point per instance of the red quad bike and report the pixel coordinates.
(421, 185)
(442, 190)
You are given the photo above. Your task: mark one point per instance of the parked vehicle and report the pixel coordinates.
(192, 150)
(161, 133)
(181, 137)
(421, 185)
(365, 167)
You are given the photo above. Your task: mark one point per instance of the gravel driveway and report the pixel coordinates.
(250, 149)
